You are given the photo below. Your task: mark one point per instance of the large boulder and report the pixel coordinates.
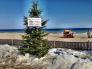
(82, 65)
(8, 56)
(65, 59)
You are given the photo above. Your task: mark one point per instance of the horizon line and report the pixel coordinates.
(47, 28)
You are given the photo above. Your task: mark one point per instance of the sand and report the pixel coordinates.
(81, 37)
(11, 35)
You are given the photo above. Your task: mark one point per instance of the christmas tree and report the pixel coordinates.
(34, 43)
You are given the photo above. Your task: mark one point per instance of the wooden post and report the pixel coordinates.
(54, 44)
(12, 41)
(88, 45)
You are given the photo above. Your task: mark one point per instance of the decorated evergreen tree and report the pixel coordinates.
(34, 43)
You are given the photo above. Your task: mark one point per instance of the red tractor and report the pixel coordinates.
(68, 34)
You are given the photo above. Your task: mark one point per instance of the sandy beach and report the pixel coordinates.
(80, 37)
(11, 35)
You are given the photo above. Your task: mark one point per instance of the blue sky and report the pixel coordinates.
(61, 13)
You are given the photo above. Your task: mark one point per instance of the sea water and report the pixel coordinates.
(76, 30)
(54, 30)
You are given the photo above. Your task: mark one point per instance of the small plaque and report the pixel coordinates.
(32, 22)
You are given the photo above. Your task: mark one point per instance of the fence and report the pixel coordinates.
(10, 41)
(55, 44)
(71, 45)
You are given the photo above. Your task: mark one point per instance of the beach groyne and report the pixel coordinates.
(54, 44)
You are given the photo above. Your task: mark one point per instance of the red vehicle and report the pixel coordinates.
(68, 34)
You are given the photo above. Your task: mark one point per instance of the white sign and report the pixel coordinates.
(34, 22)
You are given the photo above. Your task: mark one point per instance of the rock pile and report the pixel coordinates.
(56, 58)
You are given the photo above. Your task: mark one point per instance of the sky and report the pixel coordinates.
(60, 13)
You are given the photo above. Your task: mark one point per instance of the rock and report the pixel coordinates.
(83, 65)
(56, 58)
